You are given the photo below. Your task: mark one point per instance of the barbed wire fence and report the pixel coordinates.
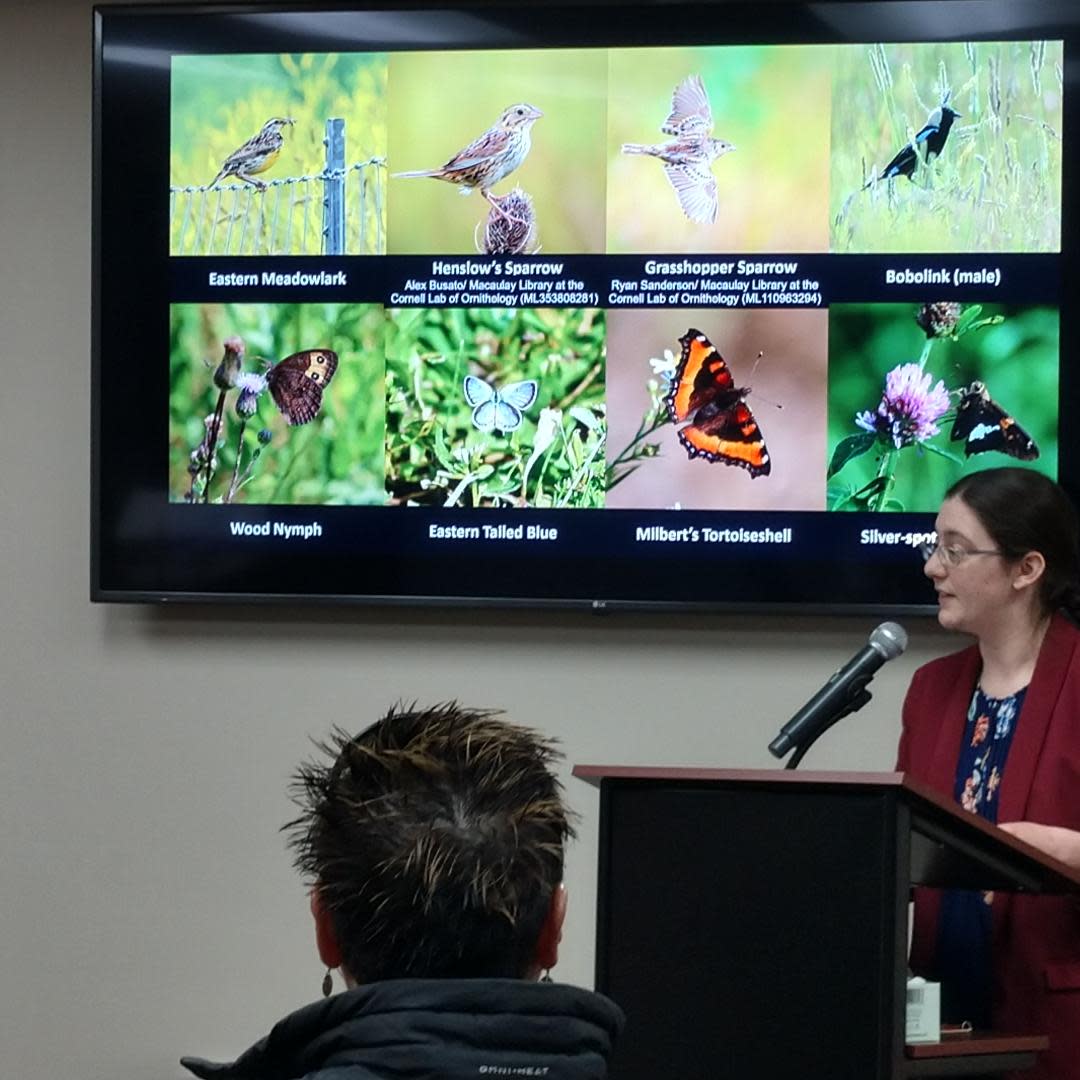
(338, 211)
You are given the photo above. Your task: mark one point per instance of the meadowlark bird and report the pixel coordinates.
(491, 157)
(256, 155)
(688, 157)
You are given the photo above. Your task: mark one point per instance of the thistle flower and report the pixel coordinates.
(939, 319)
(251, 385)
(511, 229)
(229, 369)
(253, 382)
(204, 452)
(909, 407)
(210, 420)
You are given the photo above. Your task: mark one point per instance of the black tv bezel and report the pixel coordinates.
(141, 562)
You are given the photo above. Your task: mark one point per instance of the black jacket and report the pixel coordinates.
(450, 1029)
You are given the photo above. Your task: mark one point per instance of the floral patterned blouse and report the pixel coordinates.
(965, 928)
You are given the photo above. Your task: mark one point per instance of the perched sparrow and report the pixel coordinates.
(491, 157)
(688, 156)
(256, 155)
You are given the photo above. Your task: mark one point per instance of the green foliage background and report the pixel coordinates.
(1017, 359)
(771, 102)
(337, 457)
(996, 185)
(440, 102)
(219, 102)
(435, 455)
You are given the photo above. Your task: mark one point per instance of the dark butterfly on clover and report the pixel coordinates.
(984, 425)
(722, 427)
(297, 383)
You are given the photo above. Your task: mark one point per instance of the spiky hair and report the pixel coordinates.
(435, 839)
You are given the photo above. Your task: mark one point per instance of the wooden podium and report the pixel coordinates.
(753, 924)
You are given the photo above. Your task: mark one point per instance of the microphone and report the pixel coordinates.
(838, 696)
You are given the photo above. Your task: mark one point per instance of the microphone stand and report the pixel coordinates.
(854, 704)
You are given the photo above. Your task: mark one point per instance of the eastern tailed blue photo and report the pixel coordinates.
(498, 410)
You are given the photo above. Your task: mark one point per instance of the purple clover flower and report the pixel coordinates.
(909, 408)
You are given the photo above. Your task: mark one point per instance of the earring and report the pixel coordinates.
(546, 977)
(327, 984)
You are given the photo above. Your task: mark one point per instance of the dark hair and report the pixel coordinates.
(435, 839)
(1024, 511)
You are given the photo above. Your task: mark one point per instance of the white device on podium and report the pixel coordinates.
(923, 1011)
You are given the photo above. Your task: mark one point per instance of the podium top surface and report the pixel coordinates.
(593, 774)
(943, 828)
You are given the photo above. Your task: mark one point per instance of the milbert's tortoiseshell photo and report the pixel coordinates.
(717, 409)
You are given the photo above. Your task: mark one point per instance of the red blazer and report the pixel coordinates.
(1036, 940)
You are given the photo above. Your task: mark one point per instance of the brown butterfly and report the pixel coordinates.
(297, 383)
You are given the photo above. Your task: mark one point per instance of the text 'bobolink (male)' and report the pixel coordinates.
(491, 157)
(687, 157)
(928, 143)
(256, 155)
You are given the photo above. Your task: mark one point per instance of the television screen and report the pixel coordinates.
(660, 305)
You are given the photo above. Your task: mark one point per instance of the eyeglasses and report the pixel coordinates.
(952, 554)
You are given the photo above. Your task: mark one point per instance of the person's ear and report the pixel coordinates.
(325, 935)
(1028, 570)
(547, 944)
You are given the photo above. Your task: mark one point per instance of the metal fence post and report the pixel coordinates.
(334, 188)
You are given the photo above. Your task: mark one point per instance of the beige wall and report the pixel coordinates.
(147, 906)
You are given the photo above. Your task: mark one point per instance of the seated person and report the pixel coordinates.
(433, 842)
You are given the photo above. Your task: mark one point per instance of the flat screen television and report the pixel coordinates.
(692, 305)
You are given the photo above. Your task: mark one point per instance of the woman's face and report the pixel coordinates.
(973, 593)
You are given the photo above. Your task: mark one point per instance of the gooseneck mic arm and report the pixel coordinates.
(844, 693)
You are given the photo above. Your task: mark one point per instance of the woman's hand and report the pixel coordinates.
(1053, 840)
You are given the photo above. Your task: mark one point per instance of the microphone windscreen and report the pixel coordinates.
(890, 639)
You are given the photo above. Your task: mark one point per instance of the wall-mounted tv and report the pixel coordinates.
(611, 305)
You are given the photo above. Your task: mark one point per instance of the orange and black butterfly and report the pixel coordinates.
(722, 427)
(297, 383)
(984, 425)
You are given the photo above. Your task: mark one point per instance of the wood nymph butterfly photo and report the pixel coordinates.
(297, 383)
(498, 409)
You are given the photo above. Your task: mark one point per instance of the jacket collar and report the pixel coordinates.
(402, 1027)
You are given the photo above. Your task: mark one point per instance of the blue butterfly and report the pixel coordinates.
(499, 410)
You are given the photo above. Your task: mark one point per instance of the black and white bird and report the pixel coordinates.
(927, 144)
